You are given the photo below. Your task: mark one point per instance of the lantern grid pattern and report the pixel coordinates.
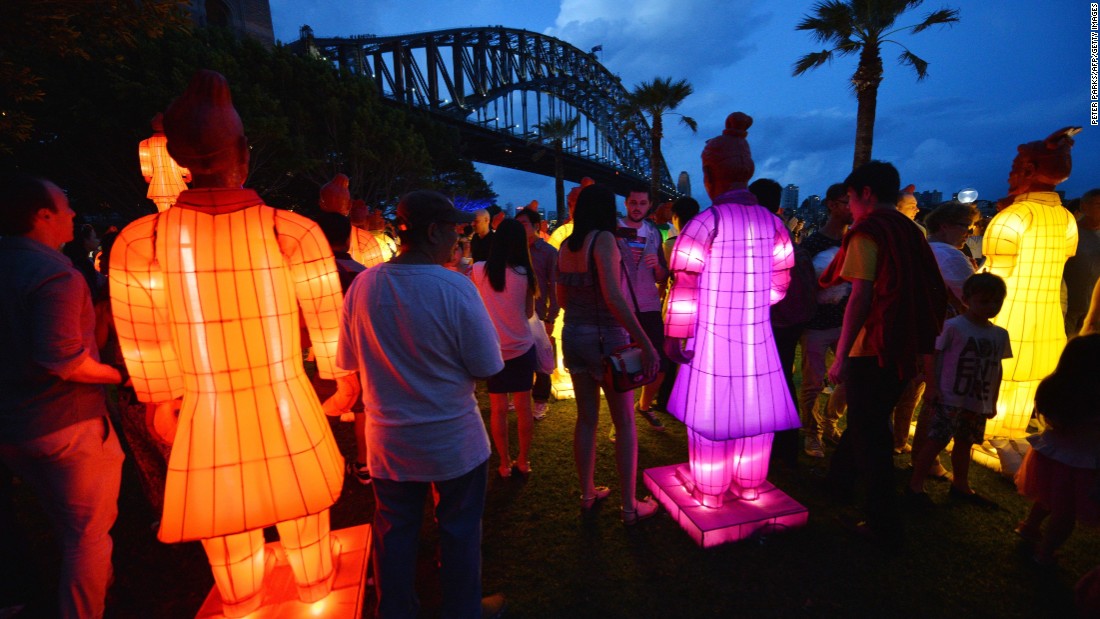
(732, 262)
(167, 179)
(206, 300)
(1027, 244)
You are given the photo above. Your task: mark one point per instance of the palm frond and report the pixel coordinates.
(812, 60)
(919, 65)
(690, 122)
(937, 18)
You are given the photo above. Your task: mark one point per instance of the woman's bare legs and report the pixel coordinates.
(621, 406)
(498, 411)
(525, 425)
(586, 391)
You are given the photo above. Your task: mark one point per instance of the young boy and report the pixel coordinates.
(963, 389)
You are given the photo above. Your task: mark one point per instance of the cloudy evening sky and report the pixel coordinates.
(1010, 71)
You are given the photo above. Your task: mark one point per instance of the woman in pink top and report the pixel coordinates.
(507, 285)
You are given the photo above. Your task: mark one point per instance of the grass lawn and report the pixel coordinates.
(959, 560)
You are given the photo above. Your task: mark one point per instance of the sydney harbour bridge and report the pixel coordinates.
(496, 84)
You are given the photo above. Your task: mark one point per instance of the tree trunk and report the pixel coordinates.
(655, 160)
(559, 182)
(865, 81)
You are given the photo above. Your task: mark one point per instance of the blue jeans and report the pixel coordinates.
(76, 472)
(398, 516)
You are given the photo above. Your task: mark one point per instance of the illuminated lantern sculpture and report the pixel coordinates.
(372, 221)
(166, 178)
(336, 198)
(1027, 244)
(206, 299)
(731, 262)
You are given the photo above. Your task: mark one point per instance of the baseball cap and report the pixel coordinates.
(418, 209)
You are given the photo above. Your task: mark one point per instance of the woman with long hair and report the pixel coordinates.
(507, 285)
(598, 320)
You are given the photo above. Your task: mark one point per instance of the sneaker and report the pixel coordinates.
(832, 435)
(813, 447)
(649, 415)
(538, 410)
(359, 472)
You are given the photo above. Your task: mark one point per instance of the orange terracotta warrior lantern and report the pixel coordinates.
(166, 178)
(206, 299)
(1027, 244)
(336, 198)
(365, 218)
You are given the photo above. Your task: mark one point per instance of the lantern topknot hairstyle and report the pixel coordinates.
(202, 122)
(729, 153)
(335, 197)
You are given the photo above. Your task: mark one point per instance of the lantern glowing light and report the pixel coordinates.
(166, 178)
(206, 299)
(732, 262)
(968, 195)
(1027, 245)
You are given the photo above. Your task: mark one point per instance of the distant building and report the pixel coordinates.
(683, 184)
(789, 201)
(245, 18)
(928, 199)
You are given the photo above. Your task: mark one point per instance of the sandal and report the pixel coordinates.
(524, 468)
(589, 503)
(505, 470)
(646, 508)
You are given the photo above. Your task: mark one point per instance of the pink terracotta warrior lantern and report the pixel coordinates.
(730, 263)
(166, 178)
(206, 299)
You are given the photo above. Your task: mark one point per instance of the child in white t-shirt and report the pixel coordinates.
(963, 388)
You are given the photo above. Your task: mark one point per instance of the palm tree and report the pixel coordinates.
(655, 99)
(555, 131)
(863, 26)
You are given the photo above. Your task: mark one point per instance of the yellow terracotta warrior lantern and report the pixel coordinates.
(206, 299)
(1027, 244)
(166, 178)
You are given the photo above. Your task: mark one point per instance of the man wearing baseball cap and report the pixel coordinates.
(420, 337)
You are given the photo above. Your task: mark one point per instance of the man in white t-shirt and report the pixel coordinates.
(420, 337)
(640, 244)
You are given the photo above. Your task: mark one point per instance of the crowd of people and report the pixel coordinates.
(905, 311)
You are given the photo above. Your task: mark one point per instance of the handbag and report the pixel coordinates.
(544, 350)
(623, 368)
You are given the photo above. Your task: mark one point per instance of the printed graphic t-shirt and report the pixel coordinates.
(972, 354)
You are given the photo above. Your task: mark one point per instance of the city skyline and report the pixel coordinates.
(1007, 73)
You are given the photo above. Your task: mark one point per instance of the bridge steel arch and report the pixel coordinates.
(461, 75)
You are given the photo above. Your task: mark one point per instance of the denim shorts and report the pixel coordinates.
(581, 349)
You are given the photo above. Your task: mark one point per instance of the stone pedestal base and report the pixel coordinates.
(280, 595)
(734, 521)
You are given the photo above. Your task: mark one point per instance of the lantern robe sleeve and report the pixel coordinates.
(688, 257)
(781, 268)
(141, 314)
(317, 285)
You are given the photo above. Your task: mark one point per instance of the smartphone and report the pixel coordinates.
(626, 232)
